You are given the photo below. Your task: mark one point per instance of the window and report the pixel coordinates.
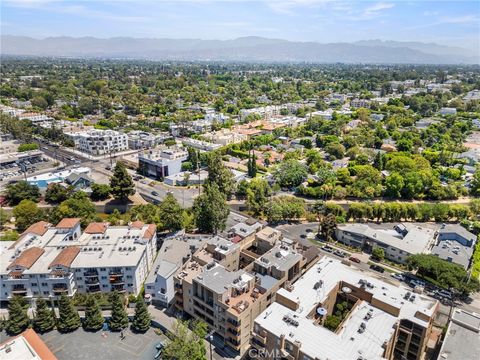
(35, 293)
(80, 278)
(44, 284)
(34, 284)
(104, 285)
(104, 278)
(43, 275)
(45, 293)
(162, 291)
(103, 269)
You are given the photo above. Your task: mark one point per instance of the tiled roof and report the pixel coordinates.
(39, 228)
(96, 228)
(65, 257)
(68, 223)
(36, 343)
(137, 224)
(27, 258)
(151, 230)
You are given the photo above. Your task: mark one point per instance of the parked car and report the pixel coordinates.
(354, 259)
(154, 193)
(327, 249)
(339, 253)
(399, 277)
(377, 268)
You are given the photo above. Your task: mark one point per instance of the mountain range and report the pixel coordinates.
(252, 48)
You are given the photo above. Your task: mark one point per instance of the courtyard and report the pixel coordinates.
(82, 345)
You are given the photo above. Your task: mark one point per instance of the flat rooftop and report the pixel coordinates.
(462, 341)
(318, 341)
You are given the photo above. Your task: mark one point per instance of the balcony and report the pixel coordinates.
(118, 287)
(117, 279)
(233, 332)
(261, 340)
(93, 289)
(92, 281)
(90, 273)
(233, 323)
(19, 290)
(60, 289)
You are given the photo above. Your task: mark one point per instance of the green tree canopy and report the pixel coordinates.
(291, 173)
(56, 193)
(218, 174)
(211, 209)
(121, 183)
(100, 192)
(119, 317)
(45, 319)
(171, 213)
(141, 320)
(93, 315)
(27, 213)
(185, 344)
(68, 318)
(22, 190)
(18, 320)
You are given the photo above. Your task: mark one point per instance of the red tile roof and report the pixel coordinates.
(39, 228)
(35, 342)
(137, 224)
(151, 230)
(96, 227)
(65, 257)
(68, 223)
(27, 258)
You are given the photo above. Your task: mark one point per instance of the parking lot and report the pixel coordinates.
(12, 170)
(82, 345)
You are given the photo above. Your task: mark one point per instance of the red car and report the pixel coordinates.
(354, 259)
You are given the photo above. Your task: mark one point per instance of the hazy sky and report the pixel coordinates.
(446, 22)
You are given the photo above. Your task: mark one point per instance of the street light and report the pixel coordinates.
(211, 339)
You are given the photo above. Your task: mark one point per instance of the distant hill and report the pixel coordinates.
(251, 48)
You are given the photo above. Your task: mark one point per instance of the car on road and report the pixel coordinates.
(154, 193)
(399, 277)
(377, 268)
(339, 254)
(327, 249)
(354, 259)
(108, 168)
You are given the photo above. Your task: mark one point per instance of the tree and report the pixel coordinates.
(327, 226)
(193, 158)
(258, 193)
(378, 254)
(252, 166)
(44, 318)
(78, 205)
(27, 213)
(56, 193)
(171, 213)
(336, 150)
(291, 173)
(185, 344)
(475, 184)
(100, 192)
(121, 183)
(93, 315)
(220, 175)
(18, 320)
(211, 209)
(378, 161)
(394, 185)
(68, 319)
(141, 320)
(27, 147)
(119, 317)
(22, 190)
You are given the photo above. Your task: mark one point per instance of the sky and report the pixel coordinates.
(454, 23)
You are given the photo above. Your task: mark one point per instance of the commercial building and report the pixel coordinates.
(214, 287)
(462, 339)
(159, 285)
(47, 261)
(161, 163)
(100, 142)
(25, 346)
(143, 140)
(373, 319)
(398, 243)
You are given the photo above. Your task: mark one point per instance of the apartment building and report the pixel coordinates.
(47, 260)
(214, 288)
(225, 137)
(201, 145)
(100, 142)
(159, 285)
(398, 243)
(377, 320)
(161, 163)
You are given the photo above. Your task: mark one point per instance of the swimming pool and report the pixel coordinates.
(42, 184)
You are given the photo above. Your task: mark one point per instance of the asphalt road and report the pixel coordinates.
(60, 154)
